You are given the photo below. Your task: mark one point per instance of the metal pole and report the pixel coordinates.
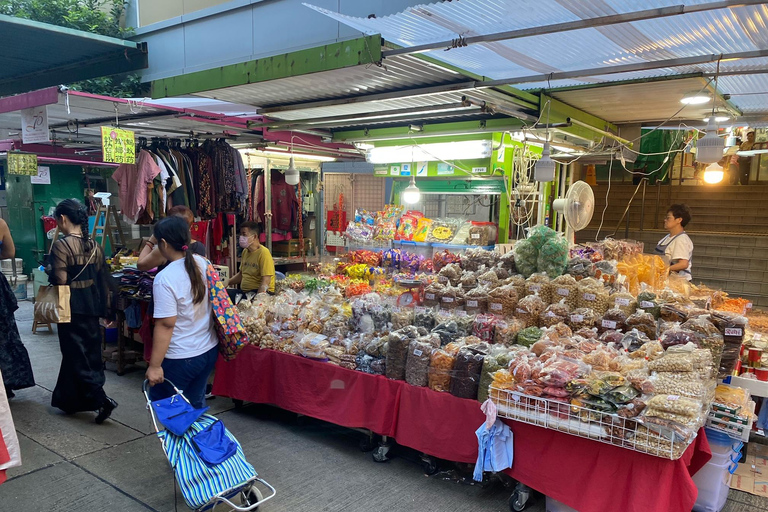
(599, 21)
(268, 204)
(598, 130)
(642, 208)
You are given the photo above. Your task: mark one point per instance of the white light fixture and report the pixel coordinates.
(464, 150)
(292, 174)
(713, 174)
(709, 148)
(719, 118)
(280, 154)
(544, 169)
(411, 194)
(695, 98)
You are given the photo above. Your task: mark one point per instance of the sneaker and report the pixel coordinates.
(208, 392)
(9, 393)
(105, 411)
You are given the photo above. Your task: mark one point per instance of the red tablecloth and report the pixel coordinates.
(586, 475)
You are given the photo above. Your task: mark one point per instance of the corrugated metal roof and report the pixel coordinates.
(733, 30)
(37, 55)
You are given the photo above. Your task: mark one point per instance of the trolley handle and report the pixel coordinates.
(145, 389)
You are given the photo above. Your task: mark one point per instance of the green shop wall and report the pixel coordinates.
(27, 203)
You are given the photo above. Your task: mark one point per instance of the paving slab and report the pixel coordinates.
(67, 435)
(64, 488)
(33, 457)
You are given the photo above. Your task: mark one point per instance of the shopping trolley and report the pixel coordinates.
(205, 485)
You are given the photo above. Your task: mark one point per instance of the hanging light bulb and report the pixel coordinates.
(544, 170)
(411, 194)
(709, 148)
(292, 174)
(713, 174)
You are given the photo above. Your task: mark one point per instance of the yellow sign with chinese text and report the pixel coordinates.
(118, 146)
(22, 163)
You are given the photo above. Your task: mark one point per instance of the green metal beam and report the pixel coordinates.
(437, 132)
(558, 112)
(356, 52)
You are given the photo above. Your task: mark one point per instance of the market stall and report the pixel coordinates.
(588, 352)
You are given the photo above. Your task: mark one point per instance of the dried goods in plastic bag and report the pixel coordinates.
(477, 257)
(643, 322)
(432, 294)
(507, 332)
(613, 319)
(554, 314)
(529, 335)
(484, 327)
(417, 365)
(623, 301)
(581, 318)
(526, 257)
(528, 310)
(466, 375)
(442, 231)
(498, 359)
(553, 257)
(678, 336)
(476, 300)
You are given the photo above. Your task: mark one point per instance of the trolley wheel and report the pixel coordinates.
(430, 466)
(238, 403)
(520, 498)
(380, 454)
(367, 444)
(252, 496)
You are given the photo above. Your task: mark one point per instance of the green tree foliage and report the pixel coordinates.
(95, 16)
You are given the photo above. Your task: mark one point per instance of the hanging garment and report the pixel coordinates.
(132, 180)
(495, 449)
(284, 203)
(14, 359)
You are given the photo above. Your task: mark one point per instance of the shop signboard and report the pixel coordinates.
(118, 146)
(34, 125)
(24, 164)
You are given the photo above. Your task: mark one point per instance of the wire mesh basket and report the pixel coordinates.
(628, 433)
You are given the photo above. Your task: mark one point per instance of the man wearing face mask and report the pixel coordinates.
(257, 268)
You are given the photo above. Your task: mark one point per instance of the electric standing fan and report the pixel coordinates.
(577, 207)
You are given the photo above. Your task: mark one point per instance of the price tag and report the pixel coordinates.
(495, 306)
(757, 336)
(749, 306)
(418, 353)
(420, 309)
(448, 299)
(647, 304)
(484, 283)
(550, 314)
(442, 279)
(515, 397)
(609, 324)
(429, 296)
(734, 331)
(462, 313)
(563, 291)
(471, 303)
(317, 339)
(672, 398)
(577, 318)
(475, 236)
(522, 311)
(535, 287)
(590, 296)
(620, 301)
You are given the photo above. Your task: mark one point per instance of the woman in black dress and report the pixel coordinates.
(79, 262)
(14, 360)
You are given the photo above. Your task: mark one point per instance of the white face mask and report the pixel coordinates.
(245, 241)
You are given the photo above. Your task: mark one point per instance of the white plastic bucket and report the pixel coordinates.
(18, 286)
(6, 266)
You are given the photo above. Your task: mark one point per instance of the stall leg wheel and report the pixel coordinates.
(367, 444)
(238, 403)
(520, 498)
(380, 454)
(429, 464)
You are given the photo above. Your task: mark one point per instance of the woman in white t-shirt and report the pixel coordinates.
(184, 348)
(677, 248)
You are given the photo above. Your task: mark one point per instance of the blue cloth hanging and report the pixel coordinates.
(495, 449)
(176, 414)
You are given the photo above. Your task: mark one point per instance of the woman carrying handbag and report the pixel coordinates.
(78, 262)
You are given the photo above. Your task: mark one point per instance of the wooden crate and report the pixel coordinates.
(290, 248)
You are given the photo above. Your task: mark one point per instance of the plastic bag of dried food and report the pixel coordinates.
(452, 297)
(553, 257)
(582, 318)
(565, 288)
(518, 283)
(507, 332)
(468, 280)
(401, 318)
(622, 395)
(643, 322)
(540, 235)
(397, 351)
(497, 359)
(613, 319)
(528, 310)
(580, 268)
(465, 322)
(634, 340)
(432, 294)
(363, 362)
(484, 327)
(482, 233)
(424, 318)
(593, 296)
(603, 359)
(442, 231)
(623, 301)
(312, 345)
(417, 365)
(528, 336)
(449, 274)
(466, 374)
(675, 404)
(647, 301)
(487, 277)
(462, 234)
(679, 336)
(476, 300)
(557, 372)
(589, 333)
(502, 300)
(554, 314)
(687, 384)
(440, 370)
(507, 261)
(526, 257)
(447, 332)
(477, 257)
(710, 337)
(611, 336)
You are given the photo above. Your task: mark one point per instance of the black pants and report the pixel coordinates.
(80, 386)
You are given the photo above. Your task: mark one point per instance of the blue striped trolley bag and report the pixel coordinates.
(205, 484)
